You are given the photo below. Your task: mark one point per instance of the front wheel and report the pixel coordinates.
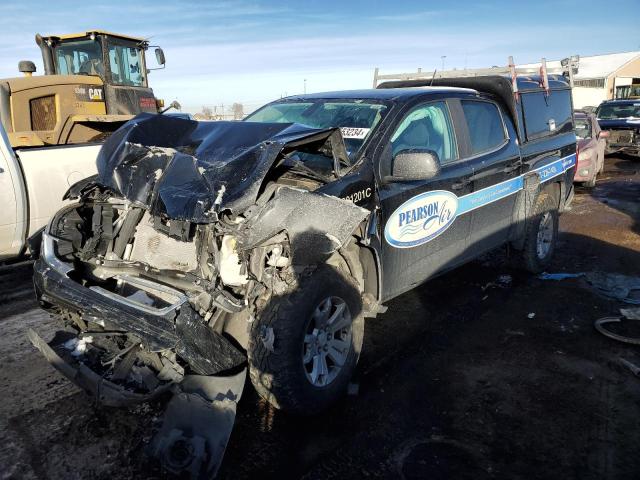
(305, 345)
(541, 234)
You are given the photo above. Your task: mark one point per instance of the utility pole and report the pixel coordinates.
(442, 58)
(305, 86)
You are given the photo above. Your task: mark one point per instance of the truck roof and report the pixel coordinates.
(71, 36)
(382, 94)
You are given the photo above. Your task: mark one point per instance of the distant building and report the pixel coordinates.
(602, 77)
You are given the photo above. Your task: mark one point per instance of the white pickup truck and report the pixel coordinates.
(32, 183)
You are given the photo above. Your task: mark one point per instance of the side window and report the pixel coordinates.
(427, 127)
(484, 121)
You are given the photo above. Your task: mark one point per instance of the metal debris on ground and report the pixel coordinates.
(631, 366)
(628, 314)
(631, 313)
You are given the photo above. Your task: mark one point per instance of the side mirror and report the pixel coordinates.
(160, 56)
(604, 134)
(415, 164)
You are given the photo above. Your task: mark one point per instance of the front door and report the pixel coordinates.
(422, 234)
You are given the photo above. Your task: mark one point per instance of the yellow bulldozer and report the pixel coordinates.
(93, 82)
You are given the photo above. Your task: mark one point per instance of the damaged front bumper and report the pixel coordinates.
(199, 417)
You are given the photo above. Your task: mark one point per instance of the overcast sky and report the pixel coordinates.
(255, 51)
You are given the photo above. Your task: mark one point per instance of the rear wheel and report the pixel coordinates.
(541, 234)
(305, 345)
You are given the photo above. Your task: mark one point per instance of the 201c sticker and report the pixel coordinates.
(421, 219)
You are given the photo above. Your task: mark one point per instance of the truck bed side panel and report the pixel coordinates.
(49, 172)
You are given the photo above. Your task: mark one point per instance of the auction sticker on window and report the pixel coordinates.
(421, 218)
(354, 132)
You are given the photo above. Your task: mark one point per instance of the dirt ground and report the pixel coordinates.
(469, 376)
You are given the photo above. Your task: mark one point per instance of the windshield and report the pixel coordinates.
(356, 118)
(126, 65)
(82, 57)
(583, 128)
(612, 111)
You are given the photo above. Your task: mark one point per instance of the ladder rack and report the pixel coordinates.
(568, 67)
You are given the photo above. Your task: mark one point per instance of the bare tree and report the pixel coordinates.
(238, 111)
(207, 112)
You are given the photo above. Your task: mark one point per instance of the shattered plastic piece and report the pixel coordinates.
(197, 425)
(559, 276)
(531, 315)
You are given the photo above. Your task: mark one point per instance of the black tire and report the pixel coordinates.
(276, 343)
(532, 260)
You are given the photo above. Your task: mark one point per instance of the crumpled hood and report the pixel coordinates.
(187, 170)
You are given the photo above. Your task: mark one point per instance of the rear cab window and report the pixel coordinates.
(547, 114)
(485, 125)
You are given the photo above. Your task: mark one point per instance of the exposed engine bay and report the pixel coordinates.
(160, 269)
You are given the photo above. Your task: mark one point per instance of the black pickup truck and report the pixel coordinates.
(204, 247)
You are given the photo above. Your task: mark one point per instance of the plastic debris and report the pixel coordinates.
(560, 276)
(531, 315)
(615, 285)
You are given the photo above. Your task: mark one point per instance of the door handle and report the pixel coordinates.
(461, 184)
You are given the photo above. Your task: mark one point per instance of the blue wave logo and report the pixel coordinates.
(421, 219)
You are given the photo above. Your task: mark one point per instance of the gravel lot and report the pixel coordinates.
(468, 376)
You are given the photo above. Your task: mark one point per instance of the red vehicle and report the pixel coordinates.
(591, 146)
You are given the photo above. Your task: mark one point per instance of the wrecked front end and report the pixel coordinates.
(161, 266)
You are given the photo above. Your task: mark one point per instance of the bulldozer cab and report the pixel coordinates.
(118, 60)
(93, 82)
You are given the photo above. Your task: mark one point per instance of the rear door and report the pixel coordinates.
(497, 168)
(422, 234)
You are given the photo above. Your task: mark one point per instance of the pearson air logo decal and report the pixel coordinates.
(421, 218)
(425, 216)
